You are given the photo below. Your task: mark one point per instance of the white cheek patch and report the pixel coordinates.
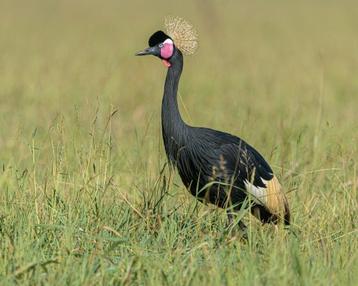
(168, 41)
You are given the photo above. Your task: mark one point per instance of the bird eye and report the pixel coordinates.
(161, 45)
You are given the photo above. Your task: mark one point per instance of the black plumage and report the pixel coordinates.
(157, 38)
(214, 166)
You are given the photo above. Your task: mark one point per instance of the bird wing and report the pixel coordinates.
(252, 173)
(244, 165)
(226, 158)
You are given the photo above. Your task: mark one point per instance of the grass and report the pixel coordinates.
(86, 196)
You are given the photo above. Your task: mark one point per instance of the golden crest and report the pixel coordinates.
(183, 34)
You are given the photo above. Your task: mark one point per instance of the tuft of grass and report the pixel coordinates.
(86, 196)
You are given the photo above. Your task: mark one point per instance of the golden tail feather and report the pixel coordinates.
(276, 204)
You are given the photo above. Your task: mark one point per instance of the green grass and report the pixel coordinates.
(85, 194)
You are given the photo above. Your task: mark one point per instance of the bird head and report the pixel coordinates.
(161, 46)
(180, 35)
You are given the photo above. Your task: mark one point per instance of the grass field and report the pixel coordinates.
(85, 196)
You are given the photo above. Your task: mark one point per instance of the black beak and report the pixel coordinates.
(147, 51)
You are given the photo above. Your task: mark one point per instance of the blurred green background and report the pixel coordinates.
(280, 74)
(259, 60)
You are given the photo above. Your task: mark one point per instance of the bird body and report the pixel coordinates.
(215, 166)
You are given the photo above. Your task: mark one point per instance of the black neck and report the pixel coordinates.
(173, 126)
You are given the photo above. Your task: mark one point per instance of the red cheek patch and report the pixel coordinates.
(167, 51)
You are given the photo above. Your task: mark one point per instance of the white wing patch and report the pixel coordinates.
(259, 193)
(271, 196)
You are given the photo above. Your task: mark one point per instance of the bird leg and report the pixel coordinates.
(230, 217)
(242, 226)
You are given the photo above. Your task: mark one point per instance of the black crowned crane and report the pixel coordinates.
(215, 166)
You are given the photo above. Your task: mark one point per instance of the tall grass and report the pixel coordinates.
(86, 197)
